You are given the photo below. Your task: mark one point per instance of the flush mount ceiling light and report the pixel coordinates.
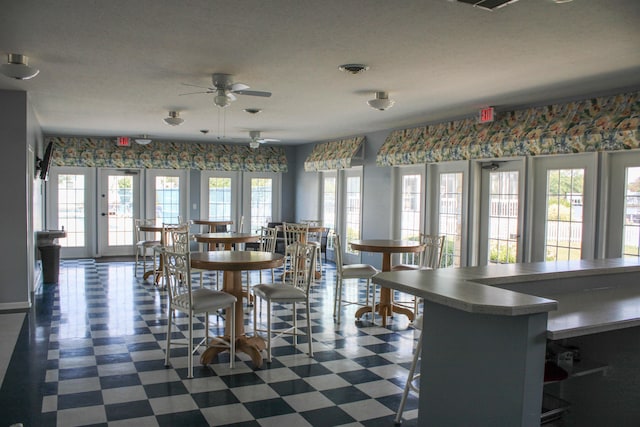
(353, 68)
(252, 110)
(143, 140)
(173, 119)
(381, 102)
(17, 67)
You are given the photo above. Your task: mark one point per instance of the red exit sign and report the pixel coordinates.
(123, 141)
(486, 115)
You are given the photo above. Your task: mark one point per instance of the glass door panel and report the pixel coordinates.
(261, 199)
(119, 199)
(501, 195)
(565, 193)
(71, 207)
(450, 216)
(631, 228)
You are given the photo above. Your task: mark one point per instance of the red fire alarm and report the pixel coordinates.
(486, 115)
(123, 141)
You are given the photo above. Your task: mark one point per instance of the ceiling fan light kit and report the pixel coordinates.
(174, 119)
(17, 67)
(381, 101)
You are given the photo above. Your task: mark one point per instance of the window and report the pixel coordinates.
(450, 217)
(167, 199)
(261, 201)
(503, 214)
(219, 202)
(329, 193)
(408, 213)
(71, 212)
(565, 194)
(120, 209)
(353, 207)
(631, 227)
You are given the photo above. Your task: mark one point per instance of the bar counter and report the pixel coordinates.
(486, 331)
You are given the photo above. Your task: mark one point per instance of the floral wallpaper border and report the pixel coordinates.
(333, 155)
(598, 124)
(103, 152)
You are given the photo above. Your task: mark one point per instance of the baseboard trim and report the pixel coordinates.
(15, 306)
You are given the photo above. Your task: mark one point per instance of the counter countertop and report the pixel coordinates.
(480, 290)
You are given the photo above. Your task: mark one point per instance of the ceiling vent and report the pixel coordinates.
(487, 4)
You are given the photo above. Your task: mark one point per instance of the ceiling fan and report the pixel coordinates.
(226, 90)
(256, 140)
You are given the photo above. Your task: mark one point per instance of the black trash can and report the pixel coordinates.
(50, 255)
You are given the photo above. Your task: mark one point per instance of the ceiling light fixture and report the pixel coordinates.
(173, 119)
(252, 110)
(144, 140)
(353, 68)
(17, 67)
(221, 99)
(381, 102)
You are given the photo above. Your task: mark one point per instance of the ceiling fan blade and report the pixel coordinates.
(253, 93)
(238, 86)
(231, 96)
(193, 93)
(201, 87)
(269, 140)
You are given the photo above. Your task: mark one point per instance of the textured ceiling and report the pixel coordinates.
(112, 68)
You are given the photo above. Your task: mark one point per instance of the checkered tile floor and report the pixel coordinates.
(92, 353)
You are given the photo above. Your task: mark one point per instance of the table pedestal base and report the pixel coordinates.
(253, 346)
(385, 310)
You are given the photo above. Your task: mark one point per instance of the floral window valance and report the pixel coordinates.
(599, 124)
(334, 155)
(103, 152)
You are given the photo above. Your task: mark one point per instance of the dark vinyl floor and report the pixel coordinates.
(91, 352)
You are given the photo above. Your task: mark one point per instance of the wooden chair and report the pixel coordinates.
(351, 271)
(182, 297)
(144, 241)
(301, 278)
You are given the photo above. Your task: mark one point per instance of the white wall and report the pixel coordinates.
(376, 197)
(19, 139)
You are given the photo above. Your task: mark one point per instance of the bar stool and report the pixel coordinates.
(412, 377)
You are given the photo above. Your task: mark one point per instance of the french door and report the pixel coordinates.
(564, 213)
(166, 195)
(260, 199)
(71, 206)
(119, 198)
(351, 212)
(501, 212)
(623, 236)
(448, 193)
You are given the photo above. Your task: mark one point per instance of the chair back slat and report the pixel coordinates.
(177, 271)
(337, 250)
(294, 232)
(303, 261)
(432, 254)
(268, 238)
